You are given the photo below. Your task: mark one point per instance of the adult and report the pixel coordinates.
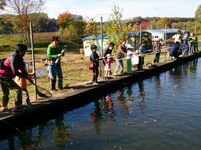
(108, 50)
(185, 43)
(13, 66)
(178, 36)
(193, 41)
(94, 58)
(156, 50)
(175, 50)
(54, 53)
(120, 55)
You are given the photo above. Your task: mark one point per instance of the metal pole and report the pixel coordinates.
(165, 36)
(140, 33)
(101, 29)
(33, 60)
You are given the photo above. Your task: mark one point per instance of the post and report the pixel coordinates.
(165, 36)
(33, 60)
(140, 33)
(101, 29)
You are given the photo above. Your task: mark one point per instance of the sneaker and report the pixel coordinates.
(29, 104)
(17, 109)
(3, 109)
(95, 83)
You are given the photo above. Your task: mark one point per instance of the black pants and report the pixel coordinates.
(95, 74)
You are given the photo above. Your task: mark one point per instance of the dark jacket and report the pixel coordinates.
(13, 66)
(94, 59)
(120, 51)
(174, 50)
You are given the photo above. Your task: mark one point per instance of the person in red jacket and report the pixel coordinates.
(13, 66)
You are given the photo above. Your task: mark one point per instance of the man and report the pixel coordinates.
(54, 53)
(175, 50)
(11, 67)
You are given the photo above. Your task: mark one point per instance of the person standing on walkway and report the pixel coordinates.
(94, 58)
(108, 50)
(54, 53)
(192, 43)
(156, 50)
(185, 44)
(120, 55)
(108, 65)
(178, 36)
(13, 66)
(23, 85)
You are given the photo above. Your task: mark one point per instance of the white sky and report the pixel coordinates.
(131, 8)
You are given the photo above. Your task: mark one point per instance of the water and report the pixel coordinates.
(162, 112)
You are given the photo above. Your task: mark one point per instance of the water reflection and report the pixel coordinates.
(36, 137)
(60, 133)
(103, 110)
(147, 109)
(141, 95)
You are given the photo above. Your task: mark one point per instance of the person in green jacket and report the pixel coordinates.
(54, 53)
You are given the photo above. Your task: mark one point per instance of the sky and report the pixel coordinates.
(93, 9)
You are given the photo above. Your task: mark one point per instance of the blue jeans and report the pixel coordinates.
(185, 49)
(54, 71)
(119, 65)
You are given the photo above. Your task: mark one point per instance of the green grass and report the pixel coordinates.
(75, 69)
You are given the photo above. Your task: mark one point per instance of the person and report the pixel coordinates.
(108, 63)
(142, 48)
(120, 55)
(108, 50)
(54, 53)
(178, 36)
(128, 59)
(185, 44)
(174, 50)
(156, 50)
(94, 58)
(23, 85)
(9, 69)
(192, 43)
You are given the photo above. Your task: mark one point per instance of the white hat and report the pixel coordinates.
(108, 55)
(129, 47)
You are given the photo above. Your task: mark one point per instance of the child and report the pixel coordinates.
(94, 58)
(109, 61)
(128, 58)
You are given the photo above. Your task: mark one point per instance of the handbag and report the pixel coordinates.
(91, 66)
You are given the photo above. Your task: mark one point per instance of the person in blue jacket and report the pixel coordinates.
(175, 50)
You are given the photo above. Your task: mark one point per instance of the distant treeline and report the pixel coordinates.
(10, 24)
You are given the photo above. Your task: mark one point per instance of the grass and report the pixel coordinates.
(75, 66)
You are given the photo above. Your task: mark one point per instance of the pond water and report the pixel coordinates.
(162, 112)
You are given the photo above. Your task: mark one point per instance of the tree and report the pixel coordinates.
(2, 4)
(198, 13)
(63, 20)
(40, 22)
(161, 23)
(91, 28)
(23, 8)
(116, 27)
